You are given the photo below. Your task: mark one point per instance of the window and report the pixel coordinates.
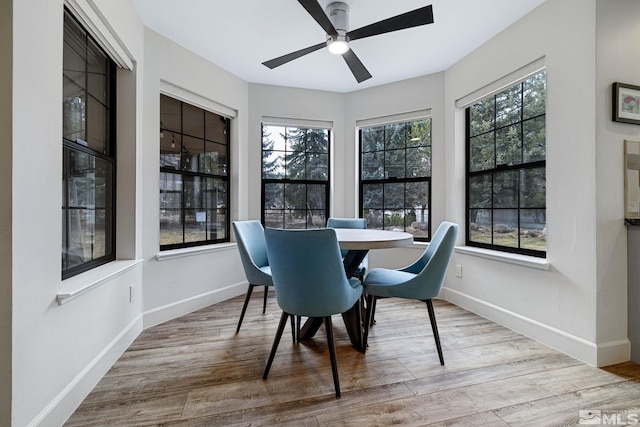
(506, 179)
(88, 146)
(395, 177)
(295, 176)
(194, 175)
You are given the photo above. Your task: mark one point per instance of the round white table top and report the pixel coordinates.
(364, 239)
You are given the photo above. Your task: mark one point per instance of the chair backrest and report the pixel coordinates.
(347, 223)
(253, 250)
(432, 265)
(308, 273)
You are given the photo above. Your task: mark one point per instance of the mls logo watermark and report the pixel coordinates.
(613, 417)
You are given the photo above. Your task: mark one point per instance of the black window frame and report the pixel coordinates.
(501, 169)
(179, 138)
(286, 181)
(395, 180)
(72, 148)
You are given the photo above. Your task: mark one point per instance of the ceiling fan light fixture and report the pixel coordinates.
(334, 20)
(338, 45)
(338, 14)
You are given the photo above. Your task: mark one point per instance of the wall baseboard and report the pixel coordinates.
(68, 400)
(180, 308)
(600, 354)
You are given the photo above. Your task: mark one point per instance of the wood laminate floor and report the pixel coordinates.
(196, 371)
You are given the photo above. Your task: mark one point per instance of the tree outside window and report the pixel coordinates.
(506, 177)
(395, 177)
(295, 176)
(194, 163)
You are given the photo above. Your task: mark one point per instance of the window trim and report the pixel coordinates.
(192, 98)
(92, 20)
(499, 85)
(505, 257)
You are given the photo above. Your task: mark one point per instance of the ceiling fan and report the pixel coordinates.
(335, 23)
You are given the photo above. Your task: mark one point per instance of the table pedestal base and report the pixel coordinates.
(352, 318)
(352, 321)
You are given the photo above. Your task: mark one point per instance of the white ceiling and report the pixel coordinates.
(238, 35)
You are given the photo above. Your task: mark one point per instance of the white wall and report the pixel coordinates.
(59, 351)
(618, 60)
(180, 285)
(558, 306)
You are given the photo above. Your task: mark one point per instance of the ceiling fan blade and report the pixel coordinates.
(316, 12)
(415, 18)
(276, 62)
(357, 67)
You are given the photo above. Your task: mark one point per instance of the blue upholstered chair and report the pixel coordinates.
(310, 281)
(422, 280)
(351, 223)
(253, 253)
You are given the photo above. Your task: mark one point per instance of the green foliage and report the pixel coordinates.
(301, 156)
(396, 153)
(270, 163)
(507, 135)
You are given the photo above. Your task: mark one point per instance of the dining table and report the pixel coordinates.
(357, 243)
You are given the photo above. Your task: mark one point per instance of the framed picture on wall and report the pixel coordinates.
(626, 103)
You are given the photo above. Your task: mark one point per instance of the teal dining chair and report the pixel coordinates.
(421, 280)
(360, 223)
(309, 280)
(253, 253)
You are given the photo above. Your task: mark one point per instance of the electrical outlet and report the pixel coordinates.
(458, 270)
(132, 292)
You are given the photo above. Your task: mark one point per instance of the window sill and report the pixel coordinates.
(524, 260)
(82, 283)
(196, 250)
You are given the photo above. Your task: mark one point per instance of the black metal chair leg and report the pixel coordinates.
(276, 341)
(371, 300)
(358, 322)
(363, 306)
(244, 307)
(264, 301)
(372, 321)
(434, 328)
(332, 354)
(294, 330)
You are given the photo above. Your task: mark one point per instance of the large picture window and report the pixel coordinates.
(295, 176)
(88, 146)
(194, 175)
(506, 177)
(395, 177)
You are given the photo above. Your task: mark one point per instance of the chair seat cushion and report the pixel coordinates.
(380, 281)
(266, 270)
